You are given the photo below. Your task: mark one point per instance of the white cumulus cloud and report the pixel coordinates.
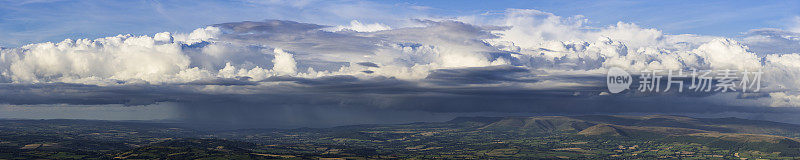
(284, 62)
(360, 27)
(520, 43)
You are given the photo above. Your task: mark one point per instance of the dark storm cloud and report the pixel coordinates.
(224, 81)
(368, 64)
(438, 93)
(477, 75)
(269, 27)
(341, 100)
(60, 93)
(523, 83)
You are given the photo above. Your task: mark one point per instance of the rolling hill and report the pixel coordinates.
(537, 137)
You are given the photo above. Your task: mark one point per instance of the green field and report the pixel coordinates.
(546, 137)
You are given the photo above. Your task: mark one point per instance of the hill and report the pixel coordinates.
(537, 137)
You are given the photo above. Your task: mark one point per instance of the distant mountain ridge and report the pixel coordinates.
(618, 125)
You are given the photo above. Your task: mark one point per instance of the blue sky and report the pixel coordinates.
(677, 17)
(24, 22)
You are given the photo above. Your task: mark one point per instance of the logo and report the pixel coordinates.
(618, 80)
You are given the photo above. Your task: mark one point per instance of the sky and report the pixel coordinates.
(308, 63)
(34, 21)
(721, 18)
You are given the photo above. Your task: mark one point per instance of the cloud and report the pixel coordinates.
(26, 22)
(284, 63)
(772, 41)
(728, 54)
(477, 75)
(784, 71)
(781, 99)
(523, 61)
(795, 26)
(359, 27)
(100, 61)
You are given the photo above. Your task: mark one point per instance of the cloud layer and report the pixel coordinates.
(521, 61)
